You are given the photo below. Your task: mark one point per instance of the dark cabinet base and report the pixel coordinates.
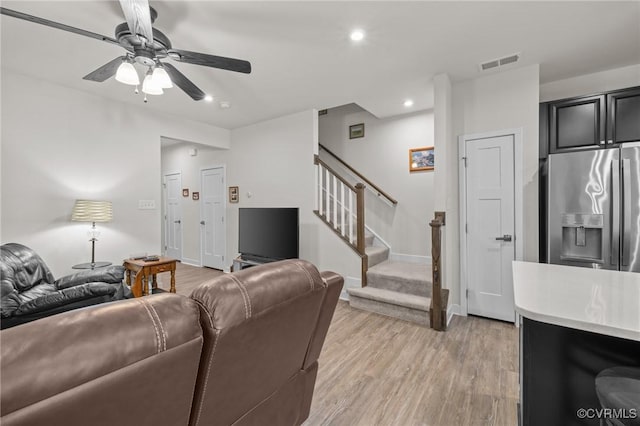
(558, 370)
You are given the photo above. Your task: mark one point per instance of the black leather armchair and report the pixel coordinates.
(28, 290)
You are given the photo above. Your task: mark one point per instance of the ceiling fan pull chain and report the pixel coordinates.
(136, 91)
(145, 98)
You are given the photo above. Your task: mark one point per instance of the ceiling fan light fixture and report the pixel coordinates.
(357, 35)
(161, 78)
(127, 74)
(150, 87)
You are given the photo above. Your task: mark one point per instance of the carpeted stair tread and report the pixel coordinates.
(407, 307)
(376, 254)
(391, 297)
(368, 238)
(404, 277)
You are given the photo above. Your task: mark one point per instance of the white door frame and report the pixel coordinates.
(224, 209)
(165, 212)
(518, 201)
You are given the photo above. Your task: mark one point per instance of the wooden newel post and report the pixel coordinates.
(360, 231)
(439, 297)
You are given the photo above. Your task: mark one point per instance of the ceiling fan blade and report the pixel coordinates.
(53, 24)
(184, 83)
(221, 62)
(107, 70)
(138, 16)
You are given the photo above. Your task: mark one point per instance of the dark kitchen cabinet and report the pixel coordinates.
(604, 120)
(623, 124)
(590, 122)
(576, 124)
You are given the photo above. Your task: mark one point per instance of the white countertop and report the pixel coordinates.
(596, 300)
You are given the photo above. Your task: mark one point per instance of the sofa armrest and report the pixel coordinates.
(100, 366)
(334, 283)
(110, 274)
(66, 296)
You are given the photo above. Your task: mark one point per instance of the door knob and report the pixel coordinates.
(177, 221)
(504, 238)
(202, 222)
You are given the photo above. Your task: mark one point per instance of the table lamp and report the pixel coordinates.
(92, 211)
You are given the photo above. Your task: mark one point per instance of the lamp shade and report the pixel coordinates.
(161, 78)
(127, 74)
(150, 87)
(92, 211)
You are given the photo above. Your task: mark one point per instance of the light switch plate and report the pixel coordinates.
(146, 204)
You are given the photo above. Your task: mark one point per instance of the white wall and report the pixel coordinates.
(273, 162)
(382, 155)
(505, 100)
(177, 158)
(619, 78)
(446, 184)
(60, 144)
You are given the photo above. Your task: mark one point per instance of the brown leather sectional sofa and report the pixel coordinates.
(242, 350)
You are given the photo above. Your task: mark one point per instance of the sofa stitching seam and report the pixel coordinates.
(153, 320)
(164, 334)
(245, 295)
(213, 351)
(309, 278)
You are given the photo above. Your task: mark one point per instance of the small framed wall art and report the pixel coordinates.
(421, 159)
(234, 194)
(356, 131)
(185, 192)
(195, 196)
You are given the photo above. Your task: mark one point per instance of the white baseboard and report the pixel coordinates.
(409, 258)
(453, 310)
(192, 262)
(349, 282)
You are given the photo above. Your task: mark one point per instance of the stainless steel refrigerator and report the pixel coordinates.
(594, 208)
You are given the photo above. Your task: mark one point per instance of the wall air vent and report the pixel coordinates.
(500, 62)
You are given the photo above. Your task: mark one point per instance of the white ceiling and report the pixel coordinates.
(302, 56)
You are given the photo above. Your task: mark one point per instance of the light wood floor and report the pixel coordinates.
(376, 370)
(187, 278)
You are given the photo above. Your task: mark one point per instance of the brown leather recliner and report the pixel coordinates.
(242, 350)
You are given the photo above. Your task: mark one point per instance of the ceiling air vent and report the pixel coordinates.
(496, 63)
(489, 65)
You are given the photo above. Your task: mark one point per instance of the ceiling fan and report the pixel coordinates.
(147, 46)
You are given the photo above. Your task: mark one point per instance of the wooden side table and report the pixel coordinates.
(143, 270)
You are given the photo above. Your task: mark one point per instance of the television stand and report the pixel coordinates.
(239, 263)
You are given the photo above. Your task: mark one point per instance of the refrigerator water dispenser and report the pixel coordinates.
(582, 237)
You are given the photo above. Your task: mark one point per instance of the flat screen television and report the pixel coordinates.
(268, 233)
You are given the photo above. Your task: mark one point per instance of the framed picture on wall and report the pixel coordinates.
(421, 159)
(356, 131)
(185, 192)
(234, 194)
(195, 196)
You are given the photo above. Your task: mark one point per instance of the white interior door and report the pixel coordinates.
(212, 218)
(490, 226)
(173, 215)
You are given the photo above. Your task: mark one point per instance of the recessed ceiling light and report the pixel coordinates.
(208, 98)
(408, 103)
(357, 35)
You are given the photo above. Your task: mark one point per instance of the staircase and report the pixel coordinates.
(393, 288)
(396, 289)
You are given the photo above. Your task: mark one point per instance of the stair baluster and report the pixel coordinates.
(331, 207)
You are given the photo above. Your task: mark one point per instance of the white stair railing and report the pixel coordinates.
(341, 206)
